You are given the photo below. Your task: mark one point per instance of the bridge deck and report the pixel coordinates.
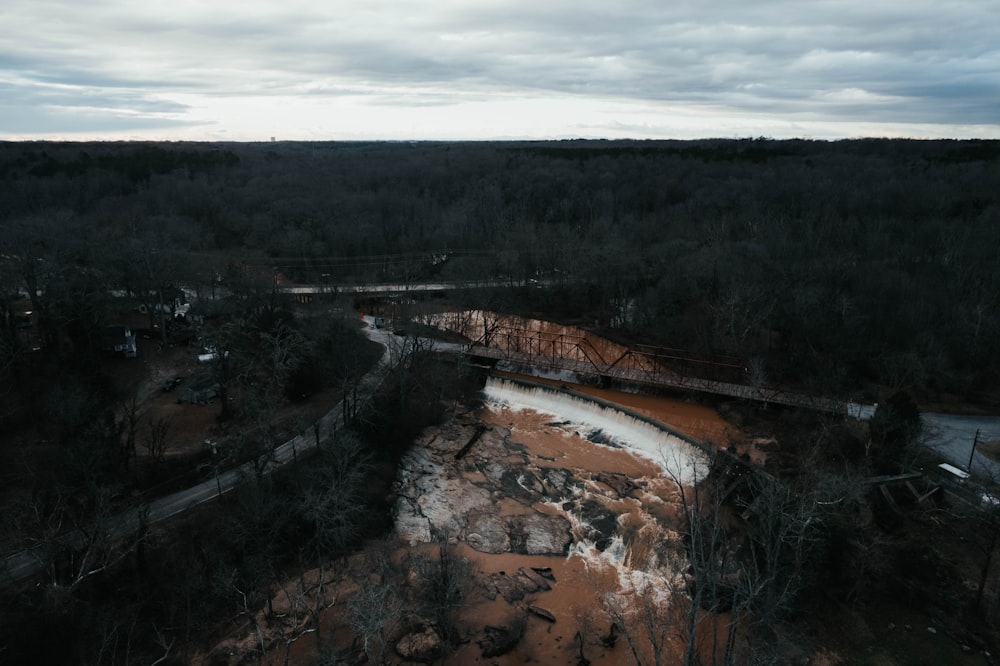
(652, 375)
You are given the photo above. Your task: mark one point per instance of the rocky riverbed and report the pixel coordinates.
(554, 530)
(568, 529)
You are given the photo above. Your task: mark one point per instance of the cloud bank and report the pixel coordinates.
(397, 69)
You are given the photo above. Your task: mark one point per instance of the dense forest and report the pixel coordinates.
(833, 264)
(861, 269)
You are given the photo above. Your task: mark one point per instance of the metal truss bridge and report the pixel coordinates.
(642, 364)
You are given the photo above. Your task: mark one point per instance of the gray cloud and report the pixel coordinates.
(890, 62)
(29, 116)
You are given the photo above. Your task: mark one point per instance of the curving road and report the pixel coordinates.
(952, 437)
(26, 563)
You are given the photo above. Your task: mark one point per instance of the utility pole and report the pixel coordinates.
(975, 441)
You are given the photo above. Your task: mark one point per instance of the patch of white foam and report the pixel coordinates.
(660, 581)
(612, 556)
(679, 458)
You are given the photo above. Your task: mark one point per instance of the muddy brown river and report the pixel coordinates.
(597, 490)
(563, 498)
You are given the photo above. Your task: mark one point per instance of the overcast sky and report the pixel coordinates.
(483, 69)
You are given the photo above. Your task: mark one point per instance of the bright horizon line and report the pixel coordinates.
(272, 140)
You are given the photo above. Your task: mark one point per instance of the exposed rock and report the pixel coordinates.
(542, 613)
(524, 582)
(500, 640)
(537, 580)
(488, 588)
(420, 646)
(546, 535)
(439, 505)
(507, 587)
(493, 470)
(603, 521)
(531, 482)
(545, 572)
(487, 532)
(556, 482)
(520, 485)
(480, 429)
(620, 483)
(416, 528)
(515, 586)
(518, 535)
(533, 534)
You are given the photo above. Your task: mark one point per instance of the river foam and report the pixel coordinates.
(680, 459)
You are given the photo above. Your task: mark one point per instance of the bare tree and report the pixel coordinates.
(131, 417)
(374, 613)
(784, 529)
(12, 322)
(98, 541)
(740, 312)
(332, 502)
(709, 559)
(156, 438)
(283, 348)
(645, 613)
(759, 579)
(445, 585)
(147, 266)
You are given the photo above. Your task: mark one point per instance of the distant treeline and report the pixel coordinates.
(833, 264)
(137, 165)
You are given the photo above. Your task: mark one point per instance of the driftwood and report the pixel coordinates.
(480, 429)
(539, 581)
(542, 613)
(612, 637)
(581, 660)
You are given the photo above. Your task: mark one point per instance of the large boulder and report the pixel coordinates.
(486, 531)
(422, 646)
(544, 534)
(496, 641)
(507, 587)
(531, 534)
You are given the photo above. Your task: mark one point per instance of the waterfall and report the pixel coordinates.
(679, 457)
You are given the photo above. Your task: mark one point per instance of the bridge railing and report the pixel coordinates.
(643, 365)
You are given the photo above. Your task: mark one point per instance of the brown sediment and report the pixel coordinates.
(553, 445)
(590, 586)
(574, 601)
(525, 464)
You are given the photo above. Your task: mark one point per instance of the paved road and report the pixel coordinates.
(408, 287)
(21, 565)
(952, 436)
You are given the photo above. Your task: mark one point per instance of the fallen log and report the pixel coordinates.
(480, 429)
(540, 582)
(542, 613)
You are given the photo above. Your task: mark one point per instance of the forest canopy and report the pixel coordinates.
(829, 264)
